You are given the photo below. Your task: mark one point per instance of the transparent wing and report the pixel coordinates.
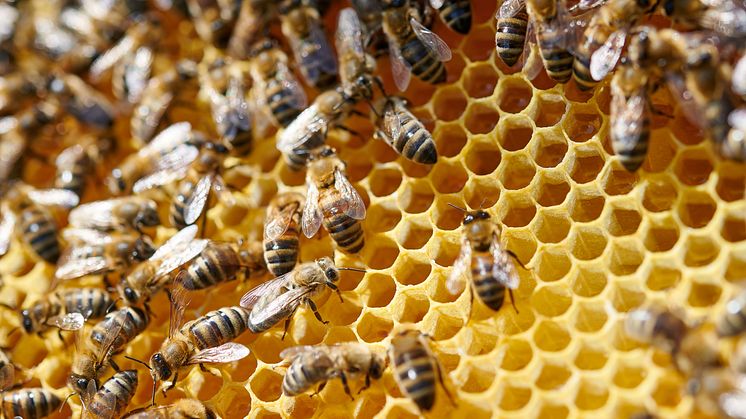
(400, 68)
(685, 99)
(97, 214)
(739, 76)
(85, 236)
(57, 197)
(195, 205)
(455, 282)
(284, 303)
(297, 97)
(7, 376)
(503, 268)
(355, 207)
(309, 123)
(176, 243)
(432, 41)
(289, 353)
(510, 8)
(69, 156)
(70, 321)
(111, 57)
(733, 404)
(179, 302)
(315, 54)
(533, 63)
(278, 225)
(7, 226)
(227, 352)
(222, 192)
(106, 405)
(312, 216)
(180, 256)
(349, 41)
(392, 125)
(137, 73)
(270, 287)
(585, 5)
(604, 59)
(436, 4)
(167, 140)
(71, 268)
(627, 114)
(170, 168)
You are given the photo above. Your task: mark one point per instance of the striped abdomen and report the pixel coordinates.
(423, 64)
(218, 327)
(91, 302)
(306, 370)
(242, 143)
(178, 206)
(217, 263)
(126, 323)
(297, 161)
(457, 15)
(557, 60)
(40, 233)
(632, 149)
(281, 254)
(114, 395)
(346, 231)
(490, 291)
(280, 102)
(30, 403)
(416, 374)
(73, 176)
(415, 142)
(593, 38)
(511, 36)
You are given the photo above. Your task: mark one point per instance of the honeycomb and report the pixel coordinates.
(596, 242)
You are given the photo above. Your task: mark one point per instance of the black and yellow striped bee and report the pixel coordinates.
(29, 403)
(404, 132)
(456, 14)
(282, 232)
(66, 309)
(112, 398)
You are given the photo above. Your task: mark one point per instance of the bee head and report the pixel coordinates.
(27, 321)
(330, 270)
(142, 249)
(159, 368)
(148, 216)
(130, 295)
(470, 217)
(77, 383)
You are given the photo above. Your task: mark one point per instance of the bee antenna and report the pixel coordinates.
(8, 306)
(62, 406)
(139, 362)
(351, 269)
(457, 207)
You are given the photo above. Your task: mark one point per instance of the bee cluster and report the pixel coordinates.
(151, 114)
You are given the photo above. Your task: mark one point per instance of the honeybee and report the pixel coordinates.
(311, 365)
(60, 45)
(182, 409)
(17, 86)
(252, 22)
(75, 163)
(156, 98)
(92, 252)
(214, 19)
(356, 66)
(489, 265)
(24, 209)
(66, 309)
(331, 200)
(82, 101)
(720, 393)
(221, 262)
(131, 212)
(152, 275)
(230, 112)
(550, 26)
(275, 89)
(412, 47)
(30, 403)
(370, 13)
(405, 133)
(278, 299)
(112, 398)
(512, 30)
(302, 27)
(630, 116)
(204, 340)
(282, 232)
(416, 368)
(456, 14)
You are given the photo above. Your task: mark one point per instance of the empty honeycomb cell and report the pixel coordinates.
(590, 358)
(684, 130)
(623, 221)
(481, 192)
(587, 242)
(447, 217)
(409, 271)
(210, 386)
(265, 347)
(414, 235)
(518, 353)
(449, 103)
(667, 391)
(481, 43)
(550, 336)
(734, 228)
(586, 165)
(693, 167)
(349, 280)
(591, 395)
(582, 122)
(236, 400)
(521, 243)
(518, 211)
(449, 140)
(700, 250)
(588, 281)
(551, 301)
(509, 322)
(549, 110)
(478, 379)
(480, 80)
(416, 170)
(696, 209)
(415, 197)
(551, 227)
(553, 264)
(445, 252)
(378, 290)
(551, 190)
(618, 181)
(659, 195)
(449, 177)
(397, 412)
(661, 152)
(483, 158)
(380, 254)
(702, 294)
(514, 398)
(372, 328)
(515, 95)
(369, 406)
(381, 152)
(481, 119)
(625, 257)
(590, 318)
(662, 276)
(629, 376)
(549, 149)
(735, 267)
(292, 177)
(625, 297)
(266, 385)
(731, 182)
(514, 133)
(384, 181)
(517, 171)
(479, 341)
(553, 376)
(411, 308)
(661, 234)
(553, 411)
(444, 325)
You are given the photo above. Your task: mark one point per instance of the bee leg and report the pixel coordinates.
(319, 388)
(512, 301)
(367, 384)
(510, 252)
(114, 365)
(315, 311)
(471, 302)
(350, 130)
(346, 385)
(59, 335)
(173, 384)
(287, 323)
(442, 383)
(336, 289)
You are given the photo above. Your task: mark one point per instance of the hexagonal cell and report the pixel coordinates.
(629, 376)
(590, 317)
(518, 354)
(478, 379)
(409, 271)
(370, 405)
(521, 243)
(448, 177)
(383, 253)
(483, 158)
(667, 392)
(591, 395)
(582, 122)
(449, 103)
(731, 182)
(480, 80)
(553, 376)
(480, 45)
(684, 130)
(415, 197)
(551, 226)
(413, 235)
(446, 326)
(734, 228)
(210, 387)
(590, 358)
(482, 192)
(702, 294)
(551, 301)
(550, 336)
(549, 110)
(700, 250)
(696, 209)
(586, 205)
(659, 194)
(625, 257)
(553, 411)
(411, 308)
(625, 298)
(514, 398)
(623, 221)
(661, 152)
(549, 149)
(515, 94)
(444, 252)
(447, 217)
(663, 276)
(372, 328)
(449, 140)
(517, 171)
(553, 264)
(617, 180)
(735, 267)
(384, 181)
(378, 290)
(693, 167)
(589, 281)
(662, 234)
(481, 119)
(382, 217)
(551, 190)
(518, 211)
(266, 385)
(514, 133)
(586, 165)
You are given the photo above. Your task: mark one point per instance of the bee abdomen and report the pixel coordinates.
(557, 61)
(511, 37)
(457, 15)
(120, 388)
(487, 287)
(40, 232)
(91, 302)
(416, 143)
(300, 377)
(632, 151)
(218, 327)
(216, 264)
(423, 64)
(346, 231)
(282, 109)
(30, 403)
(281, 254)
(127, 323)
(242, 143)
(416, 373)
(178, 206)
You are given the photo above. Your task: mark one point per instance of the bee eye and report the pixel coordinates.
(130, 295)
(468, 219)
(331, 274)
(28, 325)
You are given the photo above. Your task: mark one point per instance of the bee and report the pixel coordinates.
(370, 13)
(131, 212)
(230, 111)
(413, 48)
(204, 340)
(489, 265)
(302, 27)
(277, 91)
(278, 299)
(214, 19)
(733, 321)
(405, 133)
(93, 252)
(253, 19)
(512, 30)
(112, 398)
(221, 262)
(30, 403)
(331, 200)
(282, 232)
(182, 409)
(7, 372)
(719, 393)
(356, 66)
(82, 101)
(311, 365)
(17, 86)
(26, 209)
(152, 275)
(66, 309)
(416, 368)
(550, 28)
(76, 162)
(456, 14)
(156, 98)
(630, 116)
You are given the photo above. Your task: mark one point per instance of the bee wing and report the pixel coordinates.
(455, 282)
(531, 61)
(297, 97)
(179, 302)
(604, 59)
(510, 8)
(400, 69)
(106, 405)
(71, 267)
(197, 201)
(739, 76)
(167, 140)
(58, 197)
(137, 73)
(289, 353)
(70, 321)
(436, 4)
(585, 5)
(97, 214)
(392, 125)
(81, 236)
(349, 38)
(111, 57)
(69, 156)
(278, 225)
(355, 207)
(733, 403)
(221, 190)
(312, 216)
(432, 41)
(7, 226)
(503, 268)
(7, 376)
(267, 288)
(317, 59)
(171, 167)
(227, 352)
(284, 302)
(627, 121)
(693, 111)
(302, 129)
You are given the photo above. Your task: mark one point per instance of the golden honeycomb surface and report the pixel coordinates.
(596, 242)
